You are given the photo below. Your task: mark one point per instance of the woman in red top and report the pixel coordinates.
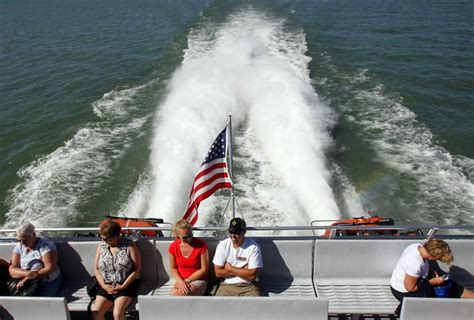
(189, 260)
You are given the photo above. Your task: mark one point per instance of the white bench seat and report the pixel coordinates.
(232, 308)
(34, 308)
(77, 298)
(287, 266)
(358, 299)
(301, 290)
(437, 309)
(355, 275)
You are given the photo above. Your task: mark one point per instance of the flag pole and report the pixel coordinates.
(229, 139)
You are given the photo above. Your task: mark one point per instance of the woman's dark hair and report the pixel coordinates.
(109, 228)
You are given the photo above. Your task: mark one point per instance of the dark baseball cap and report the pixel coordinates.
(237, 225)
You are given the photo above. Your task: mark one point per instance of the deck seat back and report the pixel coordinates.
(205, 307)
(6, 250)
(33, 308)
(462, 269)
(164, 277)
(287, 267)
(437, 309)
(76, 260)
(149, 272)
(362, 261)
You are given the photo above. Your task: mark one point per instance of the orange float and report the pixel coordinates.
(125, 222)
(363, 221)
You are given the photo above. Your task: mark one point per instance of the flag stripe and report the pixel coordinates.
(208, 187)
(211, 179)
(213, 167)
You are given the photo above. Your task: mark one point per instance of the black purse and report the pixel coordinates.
(92, 288)
(29, 288)
(424, 289)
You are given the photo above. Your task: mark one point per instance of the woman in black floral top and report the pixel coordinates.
(117, 268)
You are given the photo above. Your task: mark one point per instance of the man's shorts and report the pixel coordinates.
(238, 290)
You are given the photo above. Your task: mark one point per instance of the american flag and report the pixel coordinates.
(212, 176)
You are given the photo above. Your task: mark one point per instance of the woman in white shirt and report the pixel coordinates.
(36, 258)
(413, 266)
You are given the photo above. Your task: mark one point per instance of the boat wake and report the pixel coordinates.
(412, 176)
(56, 186)
(253, 67)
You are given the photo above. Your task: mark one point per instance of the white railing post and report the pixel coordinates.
(431, 233)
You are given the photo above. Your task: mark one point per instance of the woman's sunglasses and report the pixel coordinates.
(187, 236)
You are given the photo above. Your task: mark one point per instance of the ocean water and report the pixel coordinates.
(339, 108)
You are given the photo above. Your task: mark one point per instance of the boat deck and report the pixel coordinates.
(326, 278)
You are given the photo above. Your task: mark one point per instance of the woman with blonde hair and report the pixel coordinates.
(189, 261)
(413, 267)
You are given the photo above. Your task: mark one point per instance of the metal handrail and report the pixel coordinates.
(264, 228)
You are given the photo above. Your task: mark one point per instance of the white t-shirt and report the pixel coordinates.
(32, 260)
(410, 263)
(248, 254)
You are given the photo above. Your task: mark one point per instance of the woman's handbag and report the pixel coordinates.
(92, 288)
(424, 289)
(29, 288)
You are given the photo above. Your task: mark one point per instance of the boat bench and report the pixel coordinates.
(34, 308)
(6, 250)
(462, 269)
(437, 309)
(355, 275)
(76, 261)
(206, 307)
(287, 267)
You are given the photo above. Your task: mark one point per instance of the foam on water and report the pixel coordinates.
(54, 186)
(443, 182)
(253, 67)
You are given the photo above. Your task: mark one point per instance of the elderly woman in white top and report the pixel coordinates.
(36, 258)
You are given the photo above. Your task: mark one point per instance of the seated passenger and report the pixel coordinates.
(4, 276)
(238, 260)
(413, 266)
(189, 260)
(36, 258)
(117, 269)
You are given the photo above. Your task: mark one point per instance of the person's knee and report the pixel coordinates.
(120, 305)
(118, 312)
(175, 292)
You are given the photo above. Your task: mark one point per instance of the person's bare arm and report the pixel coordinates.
(244, 272)
(410, 283)
(199, 274)
(16, 271)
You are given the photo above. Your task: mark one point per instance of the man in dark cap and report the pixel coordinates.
(238, 260)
